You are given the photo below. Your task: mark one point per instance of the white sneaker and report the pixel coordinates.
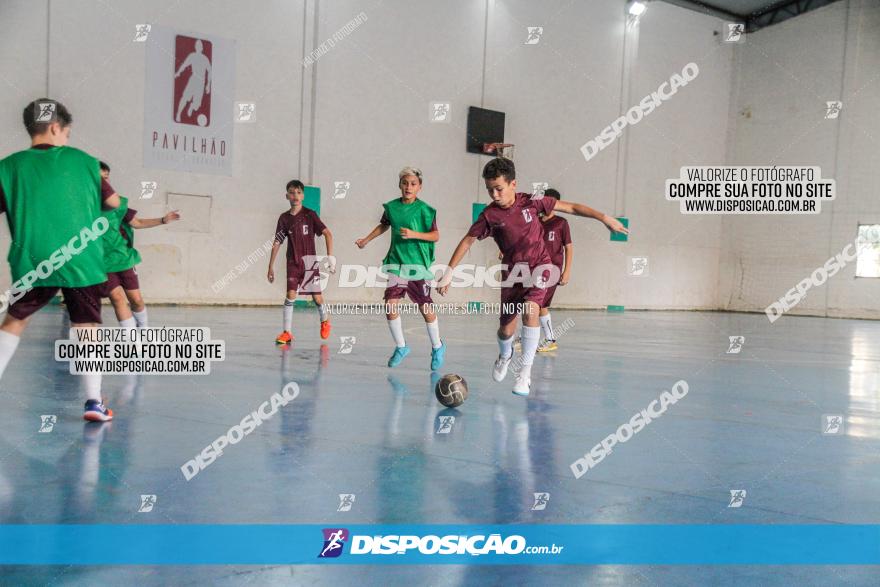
(499, 371)
(522, 384)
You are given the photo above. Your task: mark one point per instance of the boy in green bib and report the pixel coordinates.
(413, 225)
(120, 257)
(52, 195)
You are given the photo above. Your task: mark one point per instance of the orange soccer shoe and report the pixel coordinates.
(325, 329)
(284, 338)
(96, 411)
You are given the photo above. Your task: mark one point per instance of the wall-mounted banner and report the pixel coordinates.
(188, 102)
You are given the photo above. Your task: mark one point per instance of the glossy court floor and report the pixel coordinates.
(751, 420)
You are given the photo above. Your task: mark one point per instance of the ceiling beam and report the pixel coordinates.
(707, 8)
(773, 14)
(782, 11)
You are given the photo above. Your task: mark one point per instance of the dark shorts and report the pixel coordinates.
(83, 303)
(512, 298)
(418, 290)
(303, 282)
(548, 297)
(128, 279)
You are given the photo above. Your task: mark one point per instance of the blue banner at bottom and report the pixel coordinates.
(440, 544)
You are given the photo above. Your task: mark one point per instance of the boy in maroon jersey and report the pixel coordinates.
(512, 219)
(557, 240)
(300, 226)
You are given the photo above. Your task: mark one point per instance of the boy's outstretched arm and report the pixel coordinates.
(380, 229)
(612, 223)
(151, 222)
(460, 251)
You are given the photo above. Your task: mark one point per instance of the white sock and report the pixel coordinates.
(129, 323)
(91, 384)
(434, 333)
(396, 328)
(505, 347)
(530, 337)
(288, 314)
(127, 391)
(322, 312)
(547, 327)
(8, 344)
(141, 318)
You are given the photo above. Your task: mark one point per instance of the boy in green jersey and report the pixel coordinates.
(120, 257)
(52, 195)
(414, 231)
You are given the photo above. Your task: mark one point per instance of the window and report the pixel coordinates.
(868, 260)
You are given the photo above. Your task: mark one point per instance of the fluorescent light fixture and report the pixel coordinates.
(636, 8)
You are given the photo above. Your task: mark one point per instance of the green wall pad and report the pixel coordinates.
(615, 308)
(476, 208)
(312, 198)
(475, 307)
(303, 304)
(619, 236)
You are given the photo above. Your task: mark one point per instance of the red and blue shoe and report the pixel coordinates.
(96, 411)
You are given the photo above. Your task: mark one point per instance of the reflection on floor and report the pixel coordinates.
(752, 420)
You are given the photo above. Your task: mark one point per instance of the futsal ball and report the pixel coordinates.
(451, 390)
(202, 120)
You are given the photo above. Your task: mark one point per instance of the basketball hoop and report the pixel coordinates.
(499, 150)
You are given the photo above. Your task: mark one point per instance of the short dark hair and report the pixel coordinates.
(295, 183)
(499, 167)
(552, 193)
(104, 166)
(31, 112)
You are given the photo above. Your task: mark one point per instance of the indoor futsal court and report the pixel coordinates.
(479, 292)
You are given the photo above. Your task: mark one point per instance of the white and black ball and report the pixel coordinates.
(451, 390)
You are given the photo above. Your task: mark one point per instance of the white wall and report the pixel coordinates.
(98, 73)
(689, 129)
(786, 74)
(372, 93)
(23, 61)
(557, 94)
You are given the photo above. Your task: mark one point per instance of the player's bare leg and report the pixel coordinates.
(10, 334)
(395, 325)
(120, 305)
(138, 307)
